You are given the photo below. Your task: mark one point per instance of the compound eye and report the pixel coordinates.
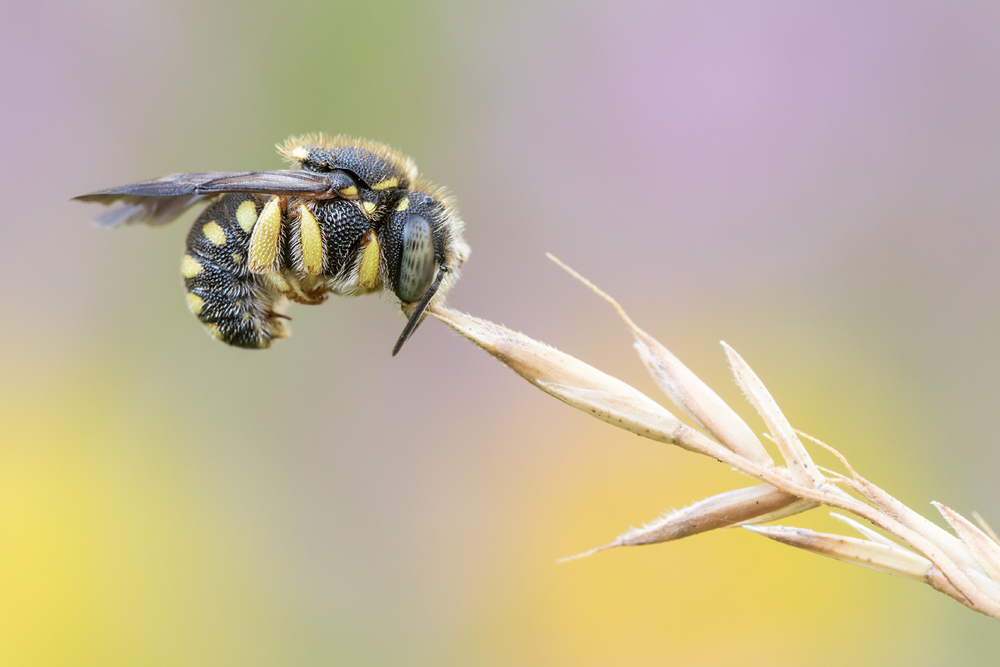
(416, 265)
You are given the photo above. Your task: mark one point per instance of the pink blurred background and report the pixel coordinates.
(814, 183)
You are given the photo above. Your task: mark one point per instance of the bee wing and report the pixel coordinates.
(163, 200)
(133, 209)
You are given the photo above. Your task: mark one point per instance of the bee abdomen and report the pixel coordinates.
(236, 306)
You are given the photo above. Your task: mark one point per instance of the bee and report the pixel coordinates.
(353, 218)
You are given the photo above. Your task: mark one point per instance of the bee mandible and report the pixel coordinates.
(352, 219)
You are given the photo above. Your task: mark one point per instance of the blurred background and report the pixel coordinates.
(814, 183)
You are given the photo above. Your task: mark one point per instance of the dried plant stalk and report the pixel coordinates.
(966, 567)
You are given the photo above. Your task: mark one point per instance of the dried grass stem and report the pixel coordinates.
(965, 566)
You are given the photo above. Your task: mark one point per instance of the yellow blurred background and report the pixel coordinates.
(813, 183)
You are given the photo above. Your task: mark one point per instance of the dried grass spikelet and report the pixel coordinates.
(965, 566)
(731, 508)
(695, 398)
(574, 382)
(874, 555)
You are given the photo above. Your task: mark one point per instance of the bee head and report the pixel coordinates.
(421, 246)
(412, 245)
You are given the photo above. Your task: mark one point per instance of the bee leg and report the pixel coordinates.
(265, 238)
(308, 292)
(287, 285)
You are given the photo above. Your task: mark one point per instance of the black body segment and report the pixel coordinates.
(383, 173)
(342, 225)
(237, 306)
(373, 169)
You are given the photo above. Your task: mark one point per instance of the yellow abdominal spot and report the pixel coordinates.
(190, 267)
(195, 303)
(386, 184)
(213, 331)
(351, 191)
(246, 215)
(403, 204)
(368, 271)
(213, 232)
(369, 207)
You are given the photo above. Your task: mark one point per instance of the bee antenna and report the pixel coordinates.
(418, 314)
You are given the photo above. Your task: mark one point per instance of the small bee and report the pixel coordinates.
(354, 218)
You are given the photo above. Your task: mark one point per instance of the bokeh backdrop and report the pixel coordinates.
(815, 183)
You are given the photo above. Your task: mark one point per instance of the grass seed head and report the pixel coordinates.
(687, 391)
(967, 569)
